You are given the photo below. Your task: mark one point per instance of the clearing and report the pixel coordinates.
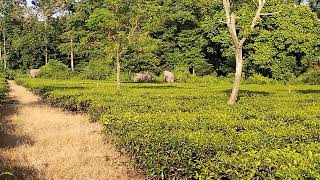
(41, 142)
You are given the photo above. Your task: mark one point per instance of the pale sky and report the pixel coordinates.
(29, 2)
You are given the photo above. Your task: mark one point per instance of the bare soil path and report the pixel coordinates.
(41, 142)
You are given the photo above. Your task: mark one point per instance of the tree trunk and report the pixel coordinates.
(72, 61)
(118, 68)
(46, 39)
(0, 53)
(46, 54)
(4, 51)
(238, 44)
(237, 80)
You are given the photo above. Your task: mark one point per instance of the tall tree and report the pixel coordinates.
(4, 15)
(238, 42)
(74, 29)
(119, 21)
(288, 43)
(11, 21)
(46, 9)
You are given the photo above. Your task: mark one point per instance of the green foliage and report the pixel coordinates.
(3, 88)
(311, 77)
(286, 42)
(6, 174)
(7, 74)
(160, 35)
(95, 70)
(186, 131)
(55, 70)
(259, 79)
(181, 74)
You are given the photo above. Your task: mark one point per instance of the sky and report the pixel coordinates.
(29, 2)
(55, 15)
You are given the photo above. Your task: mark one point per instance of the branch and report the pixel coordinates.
(255, 3)
(134, 27)
(258, 13)
(242, 41)
(227, 9)
(231, 23)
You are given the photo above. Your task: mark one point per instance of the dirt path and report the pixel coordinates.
(41, 142)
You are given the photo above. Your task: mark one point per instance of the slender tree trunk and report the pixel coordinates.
(193, 71)
(237, 79)
(0, 52)
(46, 39)
(72, 59)
(238, 43)
(118, 68)
(4, 51)
(46, 55)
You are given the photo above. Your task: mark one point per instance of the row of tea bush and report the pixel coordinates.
(57, 70)
(3, 88)
(186, 131)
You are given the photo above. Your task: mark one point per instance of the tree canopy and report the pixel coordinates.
(154, 36)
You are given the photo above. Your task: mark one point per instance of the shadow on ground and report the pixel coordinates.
(309, 91)
(9, 139)
(156, 87)
(246, 93)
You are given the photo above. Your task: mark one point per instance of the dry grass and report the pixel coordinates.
(47, 143)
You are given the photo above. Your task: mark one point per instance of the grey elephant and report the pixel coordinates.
(168, 77)
(34, 73)
(142, 77)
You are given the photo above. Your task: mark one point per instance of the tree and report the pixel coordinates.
(183, 42)
(237, 42)
(46, 9)
(121, 22)
(11, 22)
(71, 33)
(288, 43)
(28, 45)
(4, 14)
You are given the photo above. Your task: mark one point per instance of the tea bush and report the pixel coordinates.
(3, 88)
(311, 77)
(259, 79)
(186, 131)
(95, 70)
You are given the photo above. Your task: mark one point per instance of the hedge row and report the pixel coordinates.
(3, 88)
(186, 131)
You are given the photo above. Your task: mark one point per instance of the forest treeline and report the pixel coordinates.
(91, 36)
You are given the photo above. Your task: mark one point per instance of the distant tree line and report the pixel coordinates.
(113, 36)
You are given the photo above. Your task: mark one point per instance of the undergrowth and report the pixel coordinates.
(3, 88)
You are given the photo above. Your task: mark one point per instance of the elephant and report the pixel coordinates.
(168, 77)
(142, 77)
(34, 73)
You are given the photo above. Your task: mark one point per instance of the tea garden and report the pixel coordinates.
(187, 131)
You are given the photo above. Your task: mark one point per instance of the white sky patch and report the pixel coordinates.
(305, 2)
(40, 17)
(29, 4)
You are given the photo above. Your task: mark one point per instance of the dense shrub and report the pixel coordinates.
(3, 88)
(259, 79)
(95, 70)
(181, 74)
(55, 70)
(7, 74)
(311, 77)
(186, 131)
